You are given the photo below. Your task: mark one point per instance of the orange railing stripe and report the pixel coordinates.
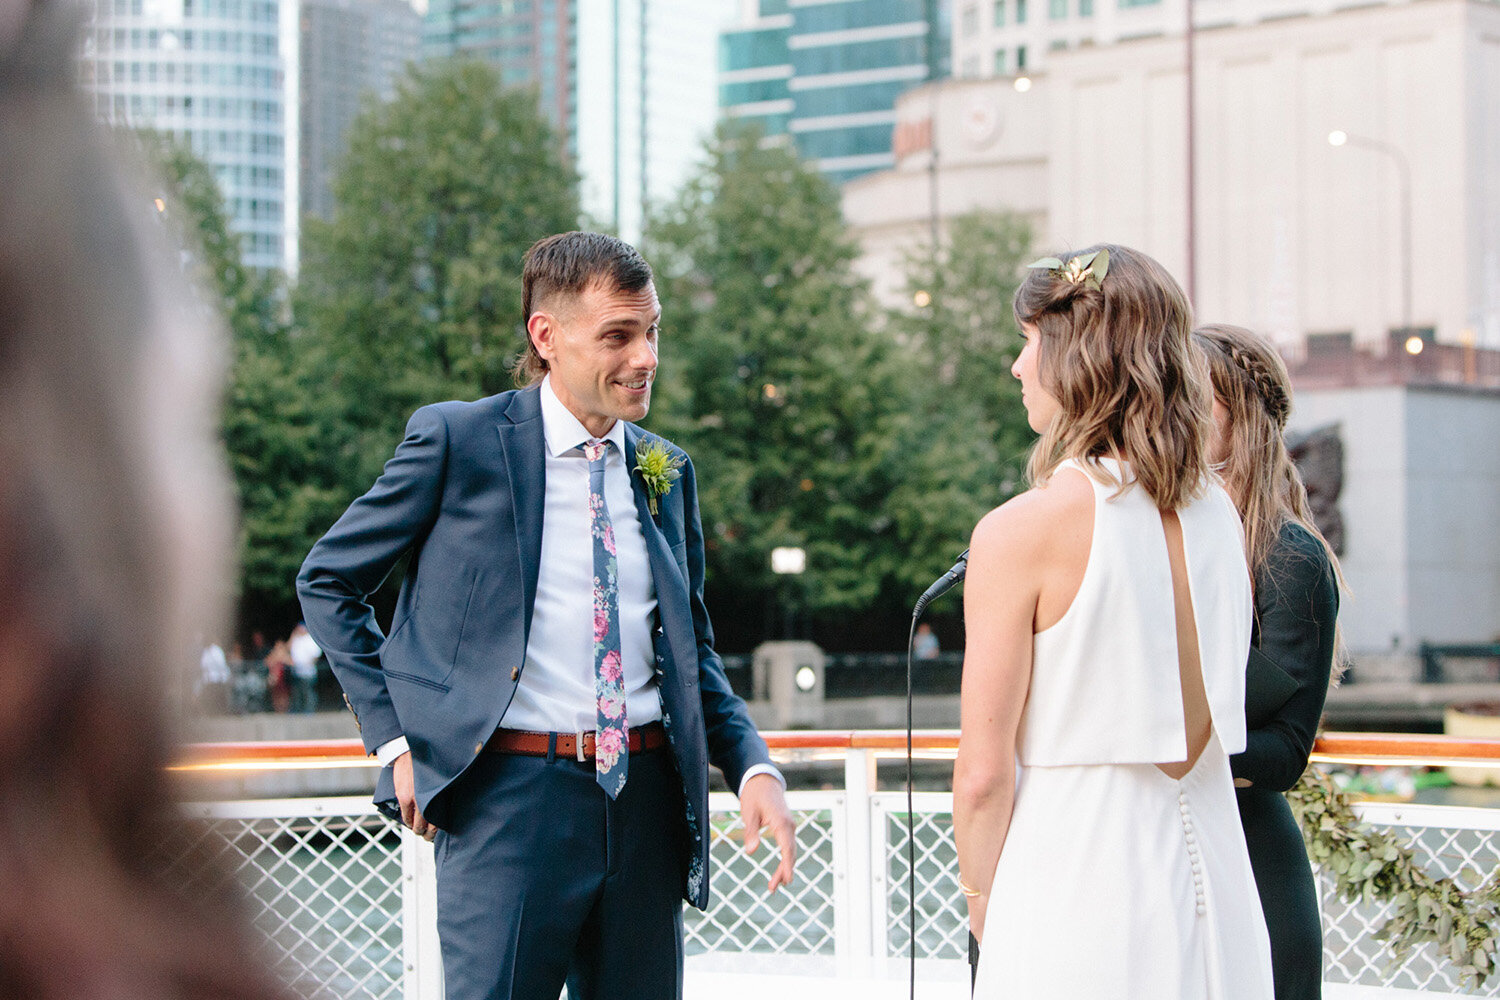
(1342, 745)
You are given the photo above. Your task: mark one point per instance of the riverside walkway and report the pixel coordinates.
(345, 899)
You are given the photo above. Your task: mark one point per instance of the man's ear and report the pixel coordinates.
(542, 329)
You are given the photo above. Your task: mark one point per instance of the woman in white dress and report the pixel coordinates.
(1108, 615)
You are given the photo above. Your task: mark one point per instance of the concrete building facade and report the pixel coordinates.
(1293, 236)
(213, 74)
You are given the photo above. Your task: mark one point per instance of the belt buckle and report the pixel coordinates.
(578, 746)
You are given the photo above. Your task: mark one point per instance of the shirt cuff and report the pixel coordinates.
(387, 753)
(761, 769)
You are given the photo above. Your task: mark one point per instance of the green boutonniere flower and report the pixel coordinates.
(658, 468)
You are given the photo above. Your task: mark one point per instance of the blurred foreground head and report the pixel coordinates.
(113, 534)
(1116, 354)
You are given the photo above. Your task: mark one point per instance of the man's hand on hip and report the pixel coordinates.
(406, 796)
(763, 804)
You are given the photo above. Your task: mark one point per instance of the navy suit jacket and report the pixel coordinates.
(463, 494)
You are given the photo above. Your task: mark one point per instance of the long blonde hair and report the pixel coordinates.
(1119, 360)
(1252, 382)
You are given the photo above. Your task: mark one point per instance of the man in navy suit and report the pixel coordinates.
(549, 700)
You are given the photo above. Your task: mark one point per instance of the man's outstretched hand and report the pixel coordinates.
(762, 805)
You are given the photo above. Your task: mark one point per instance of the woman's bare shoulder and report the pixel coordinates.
(1028, 522)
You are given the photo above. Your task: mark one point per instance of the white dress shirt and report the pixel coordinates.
(556, 688)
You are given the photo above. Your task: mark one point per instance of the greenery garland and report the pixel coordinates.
(1368, 864)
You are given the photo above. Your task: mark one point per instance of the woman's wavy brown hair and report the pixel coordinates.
(1252, 382)
(1120, 362)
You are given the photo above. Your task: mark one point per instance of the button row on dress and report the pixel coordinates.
(1195, 859)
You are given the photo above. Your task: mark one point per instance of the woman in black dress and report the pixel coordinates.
(1293, 641)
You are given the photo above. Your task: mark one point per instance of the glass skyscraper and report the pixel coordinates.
(827, 74)
(208, 72)
(351, 50)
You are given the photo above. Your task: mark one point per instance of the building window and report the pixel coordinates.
(1138, 3)
(999, 62)
(999, 13)
(971, 68)
(970, 20)
(1020, 11)
(1085, 8)
(1057, 10)
(1020, 58)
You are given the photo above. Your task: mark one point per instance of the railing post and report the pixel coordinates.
(854, 906)
(421, 959)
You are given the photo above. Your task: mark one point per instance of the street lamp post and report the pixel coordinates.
(1338, 137)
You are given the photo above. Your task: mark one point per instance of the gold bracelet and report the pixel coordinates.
(968, 890)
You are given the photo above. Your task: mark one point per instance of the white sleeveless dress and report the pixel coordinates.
(1115, 880)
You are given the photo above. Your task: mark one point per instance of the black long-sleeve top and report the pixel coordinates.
(1296, 608)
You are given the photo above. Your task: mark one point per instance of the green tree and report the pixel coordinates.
(796, 409)
(411, 292)
(270, 424)
(963, 336)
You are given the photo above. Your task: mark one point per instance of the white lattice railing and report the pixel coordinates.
(346, 900)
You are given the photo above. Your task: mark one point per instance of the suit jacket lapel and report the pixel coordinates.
(671, 588)
(522, 440)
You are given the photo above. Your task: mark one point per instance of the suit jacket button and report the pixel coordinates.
(515, 673)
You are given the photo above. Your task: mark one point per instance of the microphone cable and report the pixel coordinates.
(942, 586)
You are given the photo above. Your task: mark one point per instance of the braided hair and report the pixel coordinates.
(1251, 381)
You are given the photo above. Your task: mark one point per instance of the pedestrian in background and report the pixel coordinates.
(303, 650)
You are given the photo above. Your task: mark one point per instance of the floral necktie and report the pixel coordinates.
(611, 740)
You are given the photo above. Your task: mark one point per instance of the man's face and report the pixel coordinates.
(600, 348)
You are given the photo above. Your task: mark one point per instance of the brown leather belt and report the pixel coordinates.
(521, 741)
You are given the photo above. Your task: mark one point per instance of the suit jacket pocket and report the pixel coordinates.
(402, 675)
(426, 648)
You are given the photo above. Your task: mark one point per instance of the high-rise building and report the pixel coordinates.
(828, 73)
(646, 101)
(531, 42)
(629, 84)
(351, 51)
(211, 73)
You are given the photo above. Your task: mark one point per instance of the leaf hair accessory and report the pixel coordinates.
(658, 469)
(1088, 268)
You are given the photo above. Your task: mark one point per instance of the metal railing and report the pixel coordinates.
(346, 902)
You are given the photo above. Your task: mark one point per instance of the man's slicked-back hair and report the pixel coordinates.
(566, 264)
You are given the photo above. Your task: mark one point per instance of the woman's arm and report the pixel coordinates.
(1010, 560)
(1296, 604)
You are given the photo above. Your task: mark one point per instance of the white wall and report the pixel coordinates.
(1421, 502)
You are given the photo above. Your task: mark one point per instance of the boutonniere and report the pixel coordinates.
(658, 468)
(1091, 269)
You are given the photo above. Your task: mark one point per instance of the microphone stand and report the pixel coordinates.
(943, 584)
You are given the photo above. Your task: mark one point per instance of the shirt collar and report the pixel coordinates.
(564, 432)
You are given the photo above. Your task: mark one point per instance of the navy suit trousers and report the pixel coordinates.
(543, 880)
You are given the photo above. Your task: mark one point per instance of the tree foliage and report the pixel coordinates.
(797, 408)
(270, 425)
(411, 292)
(965, 338)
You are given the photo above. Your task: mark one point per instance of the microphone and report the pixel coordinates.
(943, 584)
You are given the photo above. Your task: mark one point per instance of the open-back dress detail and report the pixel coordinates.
(1116, 881)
